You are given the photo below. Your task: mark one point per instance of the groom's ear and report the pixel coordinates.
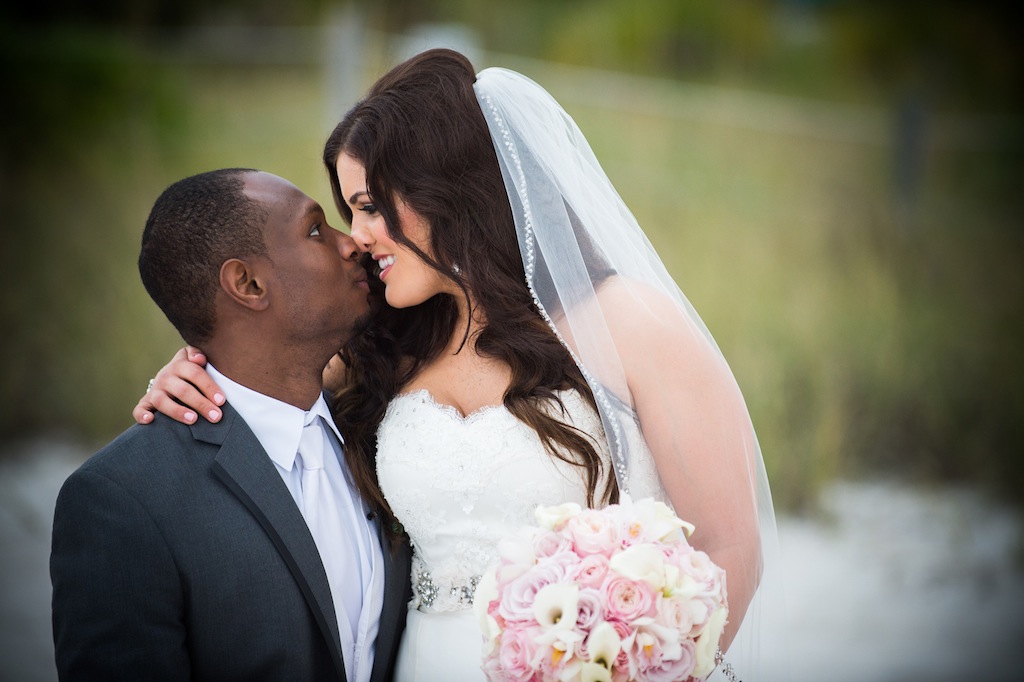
(242, 282)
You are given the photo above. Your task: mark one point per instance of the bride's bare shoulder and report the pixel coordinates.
(652, 328)
(632, 306)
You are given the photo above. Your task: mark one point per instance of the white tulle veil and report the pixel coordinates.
(576, 235)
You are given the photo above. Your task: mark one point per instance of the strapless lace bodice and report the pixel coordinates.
(460, 484)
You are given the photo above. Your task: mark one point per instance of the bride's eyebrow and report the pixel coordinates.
(355, 197)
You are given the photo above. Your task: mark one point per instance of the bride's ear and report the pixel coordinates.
(243, 284)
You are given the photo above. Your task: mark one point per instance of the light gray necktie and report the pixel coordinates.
(320, 507)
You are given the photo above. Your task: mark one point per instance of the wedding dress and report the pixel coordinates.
(459, 485)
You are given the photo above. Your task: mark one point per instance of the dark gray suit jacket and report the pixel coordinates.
(178, 553)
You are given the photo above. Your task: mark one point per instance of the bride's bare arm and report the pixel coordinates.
(695, 421)
(182, 389)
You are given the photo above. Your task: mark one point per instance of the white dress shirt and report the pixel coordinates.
(278, 427)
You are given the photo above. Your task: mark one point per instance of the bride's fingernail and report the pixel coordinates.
(190, 417)
(214, 415)
(218, 398)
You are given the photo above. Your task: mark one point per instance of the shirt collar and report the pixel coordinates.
(276, 424)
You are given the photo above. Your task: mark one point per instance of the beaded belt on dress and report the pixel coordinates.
(436, 595)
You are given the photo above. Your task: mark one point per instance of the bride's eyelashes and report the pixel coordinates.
(368, 209)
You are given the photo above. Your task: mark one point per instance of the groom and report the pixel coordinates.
(223, 551)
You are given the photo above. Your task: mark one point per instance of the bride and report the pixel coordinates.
(533, 350)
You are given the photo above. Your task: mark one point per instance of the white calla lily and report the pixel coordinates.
(557, 605)
(707, 643)
(594, 672)
(658, 520)
(603, 645)
(558, 646)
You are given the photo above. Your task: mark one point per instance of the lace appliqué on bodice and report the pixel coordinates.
(461, 484)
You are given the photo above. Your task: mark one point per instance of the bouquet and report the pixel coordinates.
(614, 594)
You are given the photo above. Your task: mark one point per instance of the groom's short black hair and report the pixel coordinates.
(196, 224)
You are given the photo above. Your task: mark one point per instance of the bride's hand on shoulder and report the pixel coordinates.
(182, 389)
(334, 374)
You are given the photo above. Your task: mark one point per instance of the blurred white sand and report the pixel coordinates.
(895, 585)
(29, 482)
(904, 585)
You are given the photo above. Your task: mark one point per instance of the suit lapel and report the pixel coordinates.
(245, 468)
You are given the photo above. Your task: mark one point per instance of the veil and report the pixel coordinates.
(592, 272)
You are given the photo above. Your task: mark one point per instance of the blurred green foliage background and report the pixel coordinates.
(837, 186)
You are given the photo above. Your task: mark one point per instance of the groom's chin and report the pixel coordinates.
(362, 323)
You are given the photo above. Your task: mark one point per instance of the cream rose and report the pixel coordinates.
(552, 518)
(641, 562)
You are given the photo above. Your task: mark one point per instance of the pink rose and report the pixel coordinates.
(699, 567)
(677, 553)
(517, 652)
(593, 532)
(590, 609)
(518, 597)
(592, 570)
(491, 668)
(627, 600)
(677, 614)
(550, 543)
(567, 562)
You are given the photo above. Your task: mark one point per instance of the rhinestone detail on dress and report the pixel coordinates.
(427, 592)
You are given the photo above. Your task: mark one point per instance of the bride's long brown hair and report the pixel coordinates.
(422, 137)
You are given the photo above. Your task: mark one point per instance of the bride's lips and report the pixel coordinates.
(384, 262)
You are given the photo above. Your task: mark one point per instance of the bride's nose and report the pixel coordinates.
(362, 237)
